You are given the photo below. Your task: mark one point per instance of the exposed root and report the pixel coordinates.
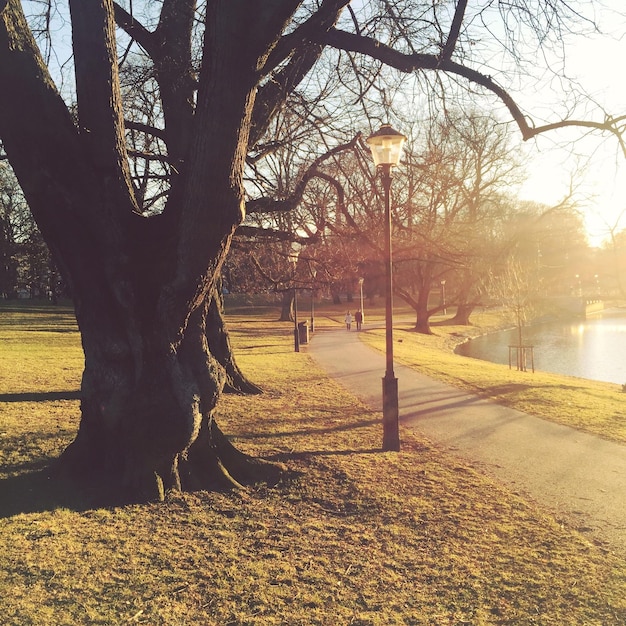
(213, 462)
(112, 475)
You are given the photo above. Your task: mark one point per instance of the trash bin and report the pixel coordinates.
(303, 332)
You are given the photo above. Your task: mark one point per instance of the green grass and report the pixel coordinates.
(358, 537)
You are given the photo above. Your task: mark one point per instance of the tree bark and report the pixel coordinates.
(153, 428)
(146, 291)
(462, 315)
(287, 306)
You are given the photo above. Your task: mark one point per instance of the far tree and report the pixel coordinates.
(550, 242)
(144, 264)
(13, 216)
(26, 268)
(613, 265)
(455, 188)
(515, 288)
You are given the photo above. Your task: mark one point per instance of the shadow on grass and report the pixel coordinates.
(308, 431)
(507, 388)
(47, 329)
(284, 457)
(262, 346)
(43, 396)
(38, 486)
(43, 490)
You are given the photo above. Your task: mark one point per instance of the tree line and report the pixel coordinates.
(26, 266)
(457, 227)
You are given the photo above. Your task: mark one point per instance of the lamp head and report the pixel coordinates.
(386, 146)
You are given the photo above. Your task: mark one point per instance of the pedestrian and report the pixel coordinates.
(348, 320)
(358, 318)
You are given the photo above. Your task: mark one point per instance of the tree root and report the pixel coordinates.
(212, 461)
(113, 475)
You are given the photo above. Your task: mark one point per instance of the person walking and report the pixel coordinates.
(348, 320)
(358, 318)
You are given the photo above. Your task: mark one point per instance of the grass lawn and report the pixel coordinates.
(356, 536)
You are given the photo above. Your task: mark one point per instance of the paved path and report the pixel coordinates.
(580, 477)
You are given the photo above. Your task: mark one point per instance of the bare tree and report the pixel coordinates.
(144, 263)
(445, 225)
(26, 269)
(516, 289)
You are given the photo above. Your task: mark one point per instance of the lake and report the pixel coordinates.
(593, 348)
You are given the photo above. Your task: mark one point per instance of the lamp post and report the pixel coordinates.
(313, 275)
(361, 291)
(386, 147)
(443, 296)
(296, 331)
(293, 257)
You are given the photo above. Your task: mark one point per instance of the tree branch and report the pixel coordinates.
(455, 29)
(302, 57)
(269, 205)
(100, 109)
(266, 233)
(135, 30)
(145, 128)
(408, 63)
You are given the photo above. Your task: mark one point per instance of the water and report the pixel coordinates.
(594, 348)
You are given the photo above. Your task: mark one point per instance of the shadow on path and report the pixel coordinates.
(578, 476)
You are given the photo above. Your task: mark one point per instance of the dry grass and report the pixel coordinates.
(355, 537)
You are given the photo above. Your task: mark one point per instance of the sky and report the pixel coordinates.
(595, 61)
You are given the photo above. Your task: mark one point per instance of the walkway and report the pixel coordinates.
(580, 477)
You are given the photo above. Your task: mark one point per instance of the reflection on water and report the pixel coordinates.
(594, 348)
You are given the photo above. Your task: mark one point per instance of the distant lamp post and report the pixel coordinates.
(361, 294)
(293, 257)
(296, 331)
(313, 275)
(443, 297)
(386, 147)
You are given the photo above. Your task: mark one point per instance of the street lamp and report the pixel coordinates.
(443, 296)
(361, 290)
(313, 275)
(386, 147)
(296, 330)
(293, 257)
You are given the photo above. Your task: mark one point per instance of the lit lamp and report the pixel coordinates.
(386, 147)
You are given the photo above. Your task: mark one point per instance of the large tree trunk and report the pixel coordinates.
(465, 307)
(153, 428)
(287, 303)
(146, 291)
(420, 306)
